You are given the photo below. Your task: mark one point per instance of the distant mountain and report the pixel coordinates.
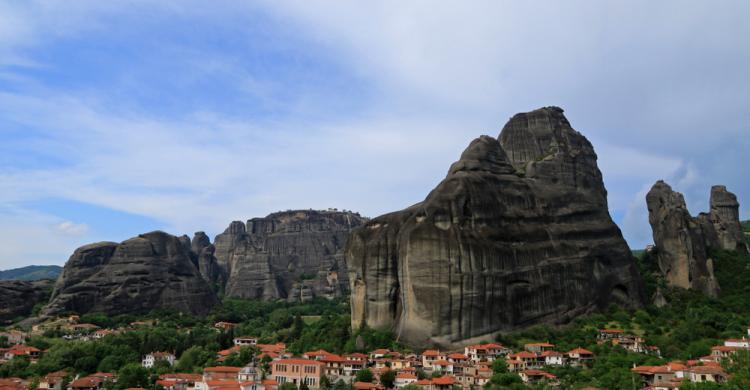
(32, 272)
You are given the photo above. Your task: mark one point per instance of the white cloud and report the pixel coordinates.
(72, 229)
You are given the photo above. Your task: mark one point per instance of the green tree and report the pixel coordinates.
(364, 375)
(499, 366)
(388, 379)
(287, 386)
(132, 375)
(325, 383)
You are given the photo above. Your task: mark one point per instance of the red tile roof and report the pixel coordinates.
(444, 380)
(223, 369)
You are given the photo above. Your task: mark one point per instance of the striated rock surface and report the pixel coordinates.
(518, 233)
(18, 298)
(725, 217)
(152, 271)
(295, 255)
(681, 241)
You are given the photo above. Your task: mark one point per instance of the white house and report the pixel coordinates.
(150, 359)
(738, 343)
(243, 341)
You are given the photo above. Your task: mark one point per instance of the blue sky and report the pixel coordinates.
(119, 118)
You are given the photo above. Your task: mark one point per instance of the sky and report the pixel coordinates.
(123, 117)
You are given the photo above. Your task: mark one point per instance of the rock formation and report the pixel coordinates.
(18, 298)
(517, 233)
(151, 271)
(725, 217)
(683, 242)
(294, 255)
(680, 241)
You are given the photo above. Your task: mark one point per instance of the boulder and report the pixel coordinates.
(518, 233)
(151, 271)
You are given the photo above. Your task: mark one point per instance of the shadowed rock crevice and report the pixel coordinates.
(518, 233)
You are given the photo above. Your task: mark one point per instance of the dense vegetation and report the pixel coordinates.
(32, 272)
(320, 324)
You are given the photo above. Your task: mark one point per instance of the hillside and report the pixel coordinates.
(32, 272)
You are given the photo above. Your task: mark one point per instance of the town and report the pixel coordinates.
(273, 367)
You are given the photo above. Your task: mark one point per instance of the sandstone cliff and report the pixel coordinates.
(517, 233)
(294, 255)
(18, 298)
(682, 241)
(151, 271)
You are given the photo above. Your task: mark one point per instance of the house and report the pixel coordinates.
(722, 352)
(297, 371)
(14, 336)
(405, 378)
(537, 376)
(23, 350)
(445, 382)
(379, 353)
(710, 373)
(179, 381)
(101, 333)
(243, 341)
(552, 358)
(485, 352)
(223, 325)
(220, 377)
(539, 347)
(738, 343)
(250, 373)
(459, 358)
(429, 356)
(366, 386)
(92, 382)
(53, 381)
(580, 357)
(609, 334)
(150, 359)
(528, 359)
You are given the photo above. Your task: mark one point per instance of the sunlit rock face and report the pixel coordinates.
(518, 233)
(152, 271)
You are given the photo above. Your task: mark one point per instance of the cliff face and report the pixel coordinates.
(517, 233)
(152, 271)
(294, 255)
(683, 241)
(18, 298)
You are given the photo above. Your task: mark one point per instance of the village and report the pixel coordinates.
(273, 367)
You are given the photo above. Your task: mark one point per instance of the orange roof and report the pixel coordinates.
(540, 345)
(723, 348)
(550, 353)
(444, 380)
(431, 353)
(224, 382)
(714, 370)
(365, 385)
(524, 355)
(441, 363)
(406, 375)
(457, 356)
(423, 382)
(381, 351)
(611, 331)
(181, 377)
(357, 355)
(538, 373)
(224, 369)
(580, 351)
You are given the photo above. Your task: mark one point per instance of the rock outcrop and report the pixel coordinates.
(683, 242)
(18, 298)
(680, 241)
(152, 271)
(295, 255)
(518, 233)
(725, 217)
